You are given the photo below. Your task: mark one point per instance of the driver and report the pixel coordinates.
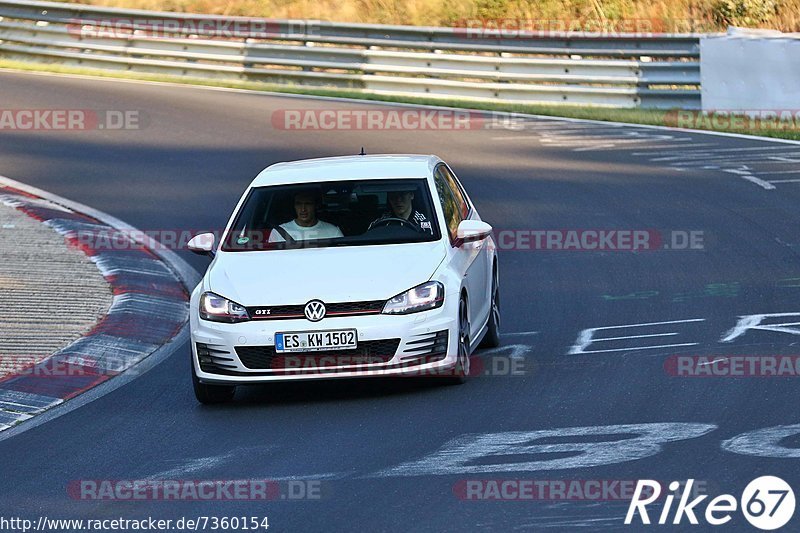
(306, 225)
(401, 205)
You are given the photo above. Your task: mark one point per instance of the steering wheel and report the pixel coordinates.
(388, 220)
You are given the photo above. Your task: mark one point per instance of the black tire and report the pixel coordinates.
(211, 394)
(460, 372)
(492, 337)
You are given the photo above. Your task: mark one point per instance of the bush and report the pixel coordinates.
(744, 12)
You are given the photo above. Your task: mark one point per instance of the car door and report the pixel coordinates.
(469, 259)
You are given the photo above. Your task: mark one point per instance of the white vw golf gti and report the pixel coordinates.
(345, 267)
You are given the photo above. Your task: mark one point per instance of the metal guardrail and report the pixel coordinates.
(657, 71)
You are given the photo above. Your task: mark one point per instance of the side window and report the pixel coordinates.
(450, 205)
(463, 206)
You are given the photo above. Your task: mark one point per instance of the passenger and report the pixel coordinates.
(306, 225)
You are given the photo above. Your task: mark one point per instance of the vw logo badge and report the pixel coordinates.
(314, 310)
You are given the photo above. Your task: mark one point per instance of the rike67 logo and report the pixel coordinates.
(767, 503)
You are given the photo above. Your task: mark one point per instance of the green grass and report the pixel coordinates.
(632, 116)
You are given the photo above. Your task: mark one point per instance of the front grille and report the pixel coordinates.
(367, 353)
(284, 312)
(214, 359)
(344, 308)
(426, 348)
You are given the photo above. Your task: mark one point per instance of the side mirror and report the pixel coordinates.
(472, 231)
(202, 244)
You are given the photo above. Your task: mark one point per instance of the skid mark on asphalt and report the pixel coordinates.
(560, 523)
(513, 351)
(330, 476)
(519, 333)
(516, 349)
(193, 466)
(506, 360)
(676, 151)
(686, 155)
(737, 159)
(206, 464)
(753, 164)
(589, 137)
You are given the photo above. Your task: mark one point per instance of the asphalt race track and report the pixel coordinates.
(395, 456)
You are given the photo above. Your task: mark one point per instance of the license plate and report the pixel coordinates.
(315, 341)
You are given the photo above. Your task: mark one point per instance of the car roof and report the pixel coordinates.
(347, 168)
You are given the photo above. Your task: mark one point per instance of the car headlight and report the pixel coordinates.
(215, 308)
(429, 295)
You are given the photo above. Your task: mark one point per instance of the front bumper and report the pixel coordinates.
(216, 360)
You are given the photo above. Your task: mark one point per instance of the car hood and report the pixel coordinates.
(345, 274)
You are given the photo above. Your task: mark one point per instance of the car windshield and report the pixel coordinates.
(334, 213)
